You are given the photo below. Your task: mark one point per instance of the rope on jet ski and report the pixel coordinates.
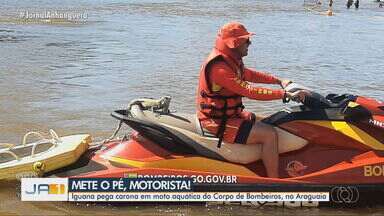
(99, 144)
(116, 131)
(161, 104)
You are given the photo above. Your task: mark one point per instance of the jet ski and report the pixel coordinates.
(325, 142)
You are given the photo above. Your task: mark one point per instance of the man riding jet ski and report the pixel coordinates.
(224, 81)
(337, 140)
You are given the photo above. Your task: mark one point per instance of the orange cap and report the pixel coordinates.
(234, 34)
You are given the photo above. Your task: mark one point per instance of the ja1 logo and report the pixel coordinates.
(47, 189)
(44, 189)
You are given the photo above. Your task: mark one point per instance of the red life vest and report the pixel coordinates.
(222, 102)
(219, 103)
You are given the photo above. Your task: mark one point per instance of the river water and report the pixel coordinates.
(70, 75)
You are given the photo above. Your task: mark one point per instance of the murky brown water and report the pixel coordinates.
(70, 76)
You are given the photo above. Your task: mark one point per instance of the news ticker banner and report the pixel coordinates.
(145, 190)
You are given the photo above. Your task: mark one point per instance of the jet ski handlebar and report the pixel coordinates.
(318, 101)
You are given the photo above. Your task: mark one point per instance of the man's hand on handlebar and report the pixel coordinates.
(285, 83)
(298, 96)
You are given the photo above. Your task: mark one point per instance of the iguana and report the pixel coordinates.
(161, 104)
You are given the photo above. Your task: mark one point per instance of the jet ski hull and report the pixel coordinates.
(311, 165)
(340, 144)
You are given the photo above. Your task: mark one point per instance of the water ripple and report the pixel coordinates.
(62, 83)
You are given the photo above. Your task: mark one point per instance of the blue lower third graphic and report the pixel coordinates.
(130, 185)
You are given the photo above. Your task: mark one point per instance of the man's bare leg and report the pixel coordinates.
(266, 135)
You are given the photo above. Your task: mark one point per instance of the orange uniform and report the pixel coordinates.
(223, 82)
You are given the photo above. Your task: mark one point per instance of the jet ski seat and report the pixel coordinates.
(185, 129)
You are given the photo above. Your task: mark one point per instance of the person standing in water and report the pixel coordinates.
(329, 12)
(350, 2)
